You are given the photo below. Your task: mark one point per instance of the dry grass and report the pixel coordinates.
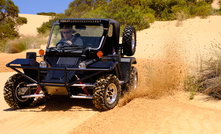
(2, 46)
(210, 77)
(24, 43)
(180, 16)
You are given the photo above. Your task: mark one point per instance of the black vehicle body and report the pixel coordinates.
(78, 71)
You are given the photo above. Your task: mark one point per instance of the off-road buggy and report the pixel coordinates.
(97, 70)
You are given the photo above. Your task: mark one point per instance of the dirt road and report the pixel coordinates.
(163, 116)
(165, 54)
(58, 116)
(170, 114)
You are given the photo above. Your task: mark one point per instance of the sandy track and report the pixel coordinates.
(60, 115)
(165, 54)
(146, 116)
(170, 114)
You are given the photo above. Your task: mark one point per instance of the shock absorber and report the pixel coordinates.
(83, 87)
(38, 90)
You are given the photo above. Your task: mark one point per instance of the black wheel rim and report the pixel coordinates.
(22, 90)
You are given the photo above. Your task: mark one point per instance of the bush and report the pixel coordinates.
(201, 9)
(21, 44)
(191, 85)
(2, 46)
(210, 75)
(180, 12)
(47, 14)
(16, 45)
(136, 13)
(46, 26)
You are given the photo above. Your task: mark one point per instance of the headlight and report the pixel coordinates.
(82, 65)
(43, 64)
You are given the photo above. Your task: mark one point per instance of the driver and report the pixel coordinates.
(69, 39)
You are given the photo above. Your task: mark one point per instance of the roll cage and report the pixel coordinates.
(97, 34)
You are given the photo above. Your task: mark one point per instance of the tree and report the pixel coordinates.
(138, 13)
(46, 26)
(78, 8)
(9, 20)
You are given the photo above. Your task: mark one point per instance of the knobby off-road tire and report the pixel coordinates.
(132, 84)
(106, 92)
(129, 41)
(13, 92)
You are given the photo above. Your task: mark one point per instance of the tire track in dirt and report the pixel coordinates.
(185, 117)
(59, 115)
(43, 122)
(165, 115)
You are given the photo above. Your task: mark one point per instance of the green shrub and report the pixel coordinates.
(149, 17)
(166, 15)
(137, 13)
(46, 26)
(47, 14)
(202, 9)
(191, 85)
(180, 12)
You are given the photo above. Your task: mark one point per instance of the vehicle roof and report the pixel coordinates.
(88, 21)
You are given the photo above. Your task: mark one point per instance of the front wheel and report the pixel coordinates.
(106, 93)
(14, 89)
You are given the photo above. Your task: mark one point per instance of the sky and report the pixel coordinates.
(37, 6)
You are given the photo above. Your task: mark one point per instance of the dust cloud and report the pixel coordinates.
(159, 77)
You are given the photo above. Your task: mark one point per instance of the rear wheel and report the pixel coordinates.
(129, 41)
(132, 84)
(106, 93)
(14, 89)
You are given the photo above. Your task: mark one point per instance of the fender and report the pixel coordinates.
(24, 62)
(108, 64)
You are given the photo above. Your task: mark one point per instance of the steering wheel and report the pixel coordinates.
(60, 42)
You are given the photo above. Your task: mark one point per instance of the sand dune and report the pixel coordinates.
(166, 53)
(34, 22)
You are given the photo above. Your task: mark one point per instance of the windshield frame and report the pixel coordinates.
(93, 33)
